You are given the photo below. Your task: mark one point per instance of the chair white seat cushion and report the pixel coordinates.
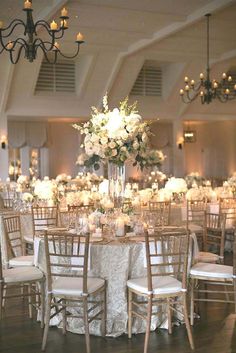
(29, 239)
(212, 270)
(22, 274)
(204, 256)
(195, 228)
(73, 286)
(161, 285)
(27, 260)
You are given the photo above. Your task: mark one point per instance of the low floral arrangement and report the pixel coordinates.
(176, 185)
(194, 177)
(117, 136)
(46, 190)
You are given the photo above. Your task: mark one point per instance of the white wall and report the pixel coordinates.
(214, 152)
(63, 149)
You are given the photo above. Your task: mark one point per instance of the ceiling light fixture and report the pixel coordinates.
(208, 89)
(30, 42)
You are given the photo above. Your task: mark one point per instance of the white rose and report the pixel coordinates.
(112, 144)
(104, 140)
(114, 153)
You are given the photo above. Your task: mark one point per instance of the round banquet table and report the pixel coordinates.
(116, 262)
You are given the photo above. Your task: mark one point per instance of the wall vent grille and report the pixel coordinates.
(59, 77)
(148, 82)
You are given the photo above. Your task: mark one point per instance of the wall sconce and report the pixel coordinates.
(189, 136)
(3, 142)
(180, 143)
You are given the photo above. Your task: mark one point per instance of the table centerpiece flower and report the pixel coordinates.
(117, 136)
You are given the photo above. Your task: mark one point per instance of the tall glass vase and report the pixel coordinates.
(116, 178)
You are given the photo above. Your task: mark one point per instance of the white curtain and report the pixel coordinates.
(32, 134)
(16, 134)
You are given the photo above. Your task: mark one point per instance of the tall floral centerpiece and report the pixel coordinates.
(117, 136)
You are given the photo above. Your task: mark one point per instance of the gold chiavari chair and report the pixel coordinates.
(161, 210)
(15, 245)
(17, 278)
(213, 238)
(8, 203)
(43, 216)
(203, 275)
(227, 206)
(65, 253)
(196, 210)
(166, 281)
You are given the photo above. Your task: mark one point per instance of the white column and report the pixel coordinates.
(25, 160)
(178, 153)
(3, 152)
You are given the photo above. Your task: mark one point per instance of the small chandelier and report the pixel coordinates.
(208, 89)
(31, 43)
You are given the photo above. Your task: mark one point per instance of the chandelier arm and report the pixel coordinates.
(15, 61)
(191, 99)
(46, 26)
(18, 40)
(42, 45)
(46, 57)
(13, 23)
(73, 56)
(197, 87)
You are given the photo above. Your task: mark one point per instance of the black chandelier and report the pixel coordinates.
(30, 44)
(208, 89)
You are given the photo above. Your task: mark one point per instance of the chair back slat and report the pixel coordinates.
(44, 217)
(214, 233)
(196, 210)
(7, 203)
(167, 255)
(161, 211)
(65, 253)
(14, 240)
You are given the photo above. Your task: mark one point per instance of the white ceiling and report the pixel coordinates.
(120, 35)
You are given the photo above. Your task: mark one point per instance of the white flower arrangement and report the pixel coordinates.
(63, 178)
(27, 197)
(117, 136)
(192, 178)
(45, 189)
(176, 185)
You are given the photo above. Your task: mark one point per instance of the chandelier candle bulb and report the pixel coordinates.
(186, 79)
(227, 91)
(56, 46)
(201, 93)
(53, 26)
(64, 24)
(10, 46)
(215, 85)
(192, 82)
(27, 4)
(187, 88)
(224, 76)
(64, 12)
(79, 37)
(181, 92)
(230, 78)
(201, 76)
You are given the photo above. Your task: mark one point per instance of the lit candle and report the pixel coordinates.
(187, 88)
(201, 94)
(201, 76)
(9, 45)
(186, 79)
(230, 78)
(181, 92)
(1, 24)
(64, 12)
(79, 37)
(8, 180)
(215, 85)
(64, 24)
(53, 26)
(120, 227)
(224, 76)
(227, 91)
(56, 46)
(192, 82)
(27, 4)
